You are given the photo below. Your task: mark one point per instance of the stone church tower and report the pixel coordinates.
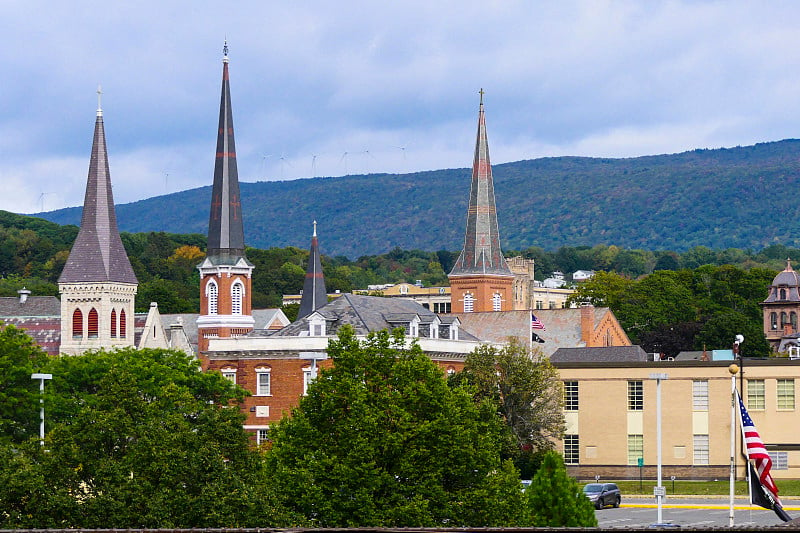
(225, 273)
(97, 285)
(480, 279)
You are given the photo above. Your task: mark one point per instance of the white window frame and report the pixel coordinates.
(262, 435)
(306, 379)
(263, 389)
(785, 396)
(572, 449)
(635, 395)
(635, 448)
(700, 450)
(317, 327)
(469, 302)
(497, 302)
(700, 395)
(756, 394)
(212, 295)
(229, 374)
(571, 395)
(237, 297)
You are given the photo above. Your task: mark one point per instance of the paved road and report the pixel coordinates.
(700, 512)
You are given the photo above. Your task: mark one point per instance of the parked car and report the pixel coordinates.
(602, 494)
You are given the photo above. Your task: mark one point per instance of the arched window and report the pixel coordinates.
(783, 294)
(212, 296)
(92, 323)
(123, 324)
(783, 319)
(773, 320)
(113, 323)
(237, 291)
(77, 324)
(469, 303)
(497, 302)
(793, 320)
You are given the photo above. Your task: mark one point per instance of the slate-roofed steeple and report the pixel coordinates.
(314, 293)
(225, 227)
(97, 254)
(481, 253)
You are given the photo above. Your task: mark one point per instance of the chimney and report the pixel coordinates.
(23, 295)
(587, 322)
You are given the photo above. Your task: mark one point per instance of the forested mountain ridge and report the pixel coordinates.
(722, 198)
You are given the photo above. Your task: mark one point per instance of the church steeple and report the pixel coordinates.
(97, 284)
(225, 227)
(225, 273)
(481, 279)
(481, 253)
(314, 293)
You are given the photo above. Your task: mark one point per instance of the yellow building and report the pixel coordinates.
(610, 411)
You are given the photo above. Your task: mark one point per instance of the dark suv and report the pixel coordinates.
(602, 494)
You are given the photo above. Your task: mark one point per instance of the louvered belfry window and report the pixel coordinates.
(77, 324)
(113, 323)
(92, 323)
(123, 325)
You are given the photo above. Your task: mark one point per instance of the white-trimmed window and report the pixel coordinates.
(262, 436)
(635, 396)
(786, 394)
(229, 374)
(700, 443)
(212, 294)
(469, 303)
(700, 395)
(316, 327)
(237, 295)
(756, 399)
(635, 449)
(307, 379)
(497, 302)
(263, 381)
(570, 395)
(780, 460)
(571, 449)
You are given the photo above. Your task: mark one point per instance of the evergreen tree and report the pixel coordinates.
(555, 499)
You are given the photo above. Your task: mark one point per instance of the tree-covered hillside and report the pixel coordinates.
(723, 198)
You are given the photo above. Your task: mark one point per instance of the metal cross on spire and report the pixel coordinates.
(99, 101)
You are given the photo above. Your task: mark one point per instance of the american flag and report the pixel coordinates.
(757, 452)
(535, 323)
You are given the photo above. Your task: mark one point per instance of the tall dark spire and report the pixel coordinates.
(225, 227)
(314, 293)
(97, 254)
(481, 253)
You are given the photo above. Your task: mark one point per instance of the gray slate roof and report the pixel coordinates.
(97, 254)
(34, 306)
(366, 314)
(315, 295)
(609, 354)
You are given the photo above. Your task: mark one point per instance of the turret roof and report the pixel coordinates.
(315, 294)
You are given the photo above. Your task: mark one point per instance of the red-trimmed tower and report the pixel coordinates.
(97, 284)
(225, 274)
(480, 279)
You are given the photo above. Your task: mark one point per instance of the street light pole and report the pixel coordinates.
(659, 490)
(41, 378)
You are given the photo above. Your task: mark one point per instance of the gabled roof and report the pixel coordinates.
(33, 306)
(98, 255)
(481, 253)
(265, 319)
(366, 314)
(606, 354)
(225, 227)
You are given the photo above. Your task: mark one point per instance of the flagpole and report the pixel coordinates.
(733, 369)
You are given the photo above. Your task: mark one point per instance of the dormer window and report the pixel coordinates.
(317, 326)
(404, 289)
(783, 294)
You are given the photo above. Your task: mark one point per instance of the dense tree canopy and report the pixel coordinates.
(136, 438)
(381, 440)
(19, 394)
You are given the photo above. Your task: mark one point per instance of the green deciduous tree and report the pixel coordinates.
(137, 438)
(555, 499)
(381, 440)
(527, 393)
(19, 394)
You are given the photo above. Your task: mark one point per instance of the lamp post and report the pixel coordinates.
(733, 369)
(41, 378)
(659, 490)
(313, 357)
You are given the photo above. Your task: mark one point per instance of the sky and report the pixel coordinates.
(325, 89)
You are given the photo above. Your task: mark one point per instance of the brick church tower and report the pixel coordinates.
(225, 273)
(97, 285)
(480, 279)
